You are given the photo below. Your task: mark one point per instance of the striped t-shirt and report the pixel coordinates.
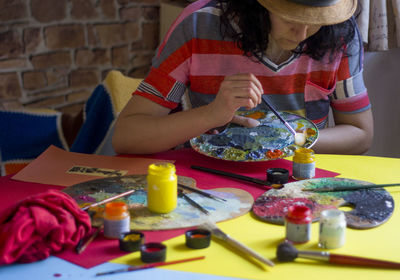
(194, 58)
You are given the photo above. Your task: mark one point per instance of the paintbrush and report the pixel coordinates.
(286, 252)
(146, 266)
(82, 246)
(236, 244)
(203, 193)
(108, 199)
(233, 175)
(349, 188)
(299, 138)
(192, 202)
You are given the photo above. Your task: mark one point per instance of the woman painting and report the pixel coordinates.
(222, 55)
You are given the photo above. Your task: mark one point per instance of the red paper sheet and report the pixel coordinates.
(102, 250)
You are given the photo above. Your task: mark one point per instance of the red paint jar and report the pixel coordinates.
(298, 224)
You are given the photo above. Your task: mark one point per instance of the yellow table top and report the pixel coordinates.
(382, 242)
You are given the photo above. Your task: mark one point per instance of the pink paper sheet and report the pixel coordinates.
(102, 249)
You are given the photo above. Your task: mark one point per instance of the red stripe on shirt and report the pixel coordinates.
(354, 103)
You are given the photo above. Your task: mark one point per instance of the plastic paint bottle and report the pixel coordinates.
(332, 229)
(303, 164)
(162, 191)
(116, 219)
(298, 224)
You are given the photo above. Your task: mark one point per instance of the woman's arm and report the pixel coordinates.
(147, 127)
(352, 134)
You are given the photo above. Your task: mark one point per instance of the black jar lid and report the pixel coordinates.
(153, 252)
(198, 238)
(131, 241)
(277, 175)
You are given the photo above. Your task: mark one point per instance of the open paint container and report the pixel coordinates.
(153, 252)
(198, 238)
(131, 241)
(277, 175)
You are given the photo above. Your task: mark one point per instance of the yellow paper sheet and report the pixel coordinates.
(381, 242)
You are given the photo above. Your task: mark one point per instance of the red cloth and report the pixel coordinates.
(40, 225)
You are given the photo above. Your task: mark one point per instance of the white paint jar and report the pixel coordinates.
(332, 229)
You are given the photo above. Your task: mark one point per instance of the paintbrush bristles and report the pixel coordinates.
(286, 252)
(214, 230)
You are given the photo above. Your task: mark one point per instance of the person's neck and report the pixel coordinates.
(275, 53)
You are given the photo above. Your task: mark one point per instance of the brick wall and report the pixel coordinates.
(54, 52)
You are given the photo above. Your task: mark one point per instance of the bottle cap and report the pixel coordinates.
(153, 252)
(116, 208)
(304, 153)
(277, 175)
(299, 214)
(334, 215)
(164, 167)
(198, 238)
(131, 241)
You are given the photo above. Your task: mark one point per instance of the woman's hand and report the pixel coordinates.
(239, 90)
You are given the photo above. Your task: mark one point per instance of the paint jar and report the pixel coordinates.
(198, 238)
(162, 188)
(131, 241)
(332, 229)
(116, 219)
(303, 164)
(277, 175)
(153, 252)
(298, 224)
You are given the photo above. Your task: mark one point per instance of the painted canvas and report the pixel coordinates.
(370, 207)
(238, 202)
(268, 141)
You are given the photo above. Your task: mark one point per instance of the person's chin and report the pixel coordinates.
(289, 45)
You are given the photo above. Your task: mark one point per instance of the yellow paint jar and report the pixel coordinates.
(303, 164)
(162, 182)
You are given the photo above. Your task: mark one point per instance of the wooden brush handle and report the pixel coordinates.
(352, 260)
(248, 251)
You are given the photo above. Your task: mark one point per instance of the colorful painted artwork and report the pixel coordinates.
(370, 207)
(268, 141)
(238, 202)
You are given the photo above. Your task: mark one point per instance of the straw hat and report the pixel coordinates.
(321, 12)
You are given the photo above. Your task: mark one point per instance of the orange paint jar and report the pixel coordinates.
(116, 219)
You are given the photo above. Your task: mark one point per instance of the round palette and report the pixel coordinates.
(371, 207)
(238, 202)
(268, 141)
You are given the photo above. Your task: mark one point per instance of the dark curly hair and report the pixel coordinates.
(254, 23)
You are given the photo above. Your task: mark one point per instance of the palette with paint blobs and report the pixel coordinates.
(268, 141)
(238, 202)
(370, 207)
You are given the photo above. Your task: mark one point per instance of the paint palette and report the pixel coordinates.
(268, 141)
(371, 207)
(238, 202)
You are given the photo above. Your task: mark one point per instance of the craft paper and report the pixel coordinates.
(56, 166)
(102, 249)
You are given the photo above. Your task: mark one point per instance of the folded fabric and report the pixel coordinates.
(39, 226)
(100, 112)
(25, 134)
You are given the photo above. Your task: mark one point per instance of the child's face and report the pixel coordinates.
(288, 35)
